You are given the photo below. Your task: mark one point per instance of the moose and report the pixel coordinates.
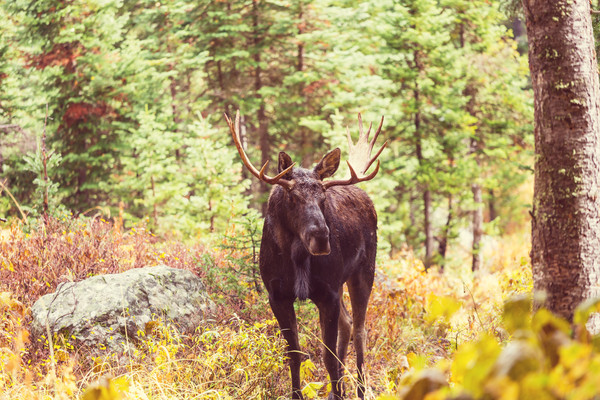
(318, 235)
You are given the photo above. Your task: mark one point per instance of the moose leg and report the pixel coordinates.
(360, 292)
(286, 317)
(329, 315)
(344, 329)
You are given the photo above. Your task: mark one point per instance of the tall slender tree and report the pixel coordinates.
(496, 100)
(565, 251)
(428, 82)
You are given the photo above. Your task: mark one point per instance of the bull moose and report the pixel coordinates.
(318, 235)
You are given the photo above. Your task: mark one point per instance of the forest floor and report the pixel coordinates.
(416, 318)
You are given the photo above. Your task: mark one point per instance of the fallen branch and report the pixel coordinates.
(11, 127)
(3, 187)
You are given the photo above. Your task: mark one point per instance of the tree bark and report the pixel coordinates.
(565, 252)
(443, 240)
(427, 225)
(429, 239)
(263, 124)
(477, 213)
(493, 214)
(477, 226)
(305, 135)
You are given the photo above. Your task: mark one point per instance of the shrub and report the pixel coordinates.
(546, 358)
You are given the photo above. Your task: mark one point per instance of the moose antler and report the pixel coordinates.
(277, 180)
(360, 156)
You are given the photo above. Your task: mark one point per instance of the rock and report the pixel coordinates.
(109, 311)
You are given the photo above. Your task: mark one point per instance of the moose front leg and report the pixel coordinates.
(286, 317)
(329, 314)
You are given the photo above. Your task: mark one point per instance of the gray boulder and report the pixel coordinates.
(109, 311)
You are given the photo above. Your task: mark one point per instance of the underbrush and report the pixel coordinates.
(416, 319)
(231, 360)
(546, 358)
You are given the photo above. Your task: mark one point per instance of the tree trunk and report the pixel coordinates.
(565, 252)
(307, 150)
(265, 150)
(477, 213)
(477, 226)
(263, 125)
(429, 240)
(493, 214)
(443, 240)
(427, 226)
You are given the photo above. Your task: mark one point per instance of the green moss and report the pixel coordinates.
(577, 101)
(551, 54)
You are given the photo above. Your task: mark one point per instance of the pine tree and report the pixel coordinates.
(72, 46)
(498, 102)
(431, 122)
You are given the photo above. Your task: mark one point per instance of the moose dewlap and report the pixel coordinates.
(317, 236)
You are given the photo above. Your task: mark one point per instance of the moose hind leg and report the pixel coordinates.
(286, 317)
(360, 292)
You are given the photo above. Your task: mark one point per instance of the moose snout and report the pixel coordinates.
(317, 242)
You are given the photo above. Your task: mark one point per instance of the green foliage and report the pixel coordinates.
(44, 188)
(243, 251)
(457, 115)
(136, 92)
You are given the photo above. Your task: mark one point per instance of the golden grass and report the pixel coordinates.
(241, 356)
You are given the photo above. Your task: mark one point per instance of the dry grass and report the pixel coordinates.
(240, 356)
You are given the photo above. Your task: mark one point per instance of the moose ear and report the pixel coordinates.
(328, 164)
(285, 162)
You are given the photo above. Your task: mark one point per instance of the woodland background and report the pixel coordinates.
(114, 149)
(136, 93)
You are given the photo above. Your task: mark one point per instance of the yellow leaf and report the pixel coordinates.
(307, 369)
(441, 394)
(535, 386)
(517, 313)
(387, 397)
(585, 309)
(417, 361)
(311, 390)
(502, 388)
(544, 317)
(473, 363)
(441, 308)
(107, 389)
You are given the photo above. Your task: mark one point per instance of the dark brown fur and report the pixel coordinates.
(314, 241)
